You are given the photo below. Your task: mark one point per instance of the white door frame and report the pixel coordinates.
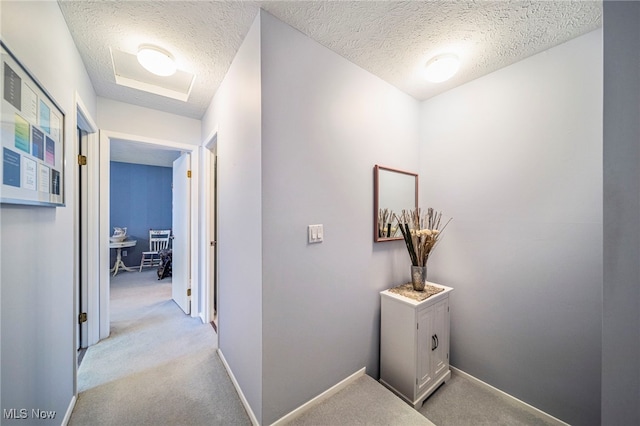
(84, 121)
(208, 153)
(104, 213)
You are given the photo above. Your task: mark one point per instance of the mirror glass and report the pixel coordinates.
(394, 190)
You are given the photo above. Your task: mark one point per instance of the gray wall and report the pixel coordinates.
(515, 158)
(240, 218)
(37, 263)
(338, 332)
(326, 123)
(621, 314)
(131, 119)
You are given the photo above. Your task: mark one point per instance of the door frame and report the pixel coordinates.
(209, 151)
(84, 121)
(103, 214)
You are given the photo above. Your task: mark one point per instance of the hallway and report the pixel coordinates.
(158, 367)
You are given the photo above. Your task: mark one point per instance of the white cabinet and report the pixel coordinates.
(414, 344)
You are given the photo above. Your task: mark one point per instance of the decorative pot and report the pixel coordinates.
(418, 277)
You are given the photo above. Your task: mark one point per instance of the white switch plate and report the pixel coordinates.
(316, 233)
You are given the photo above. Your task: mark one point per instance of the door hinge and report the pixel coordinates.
(82, 160)
(188, 292)
(416, 381)
(188, 173)
(417, 326)
(82, 318)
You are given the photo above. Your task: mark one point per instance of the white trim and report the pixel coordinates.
(523, 405)
(207, 151)
(67, 415)
(252, 416)
(209, 141)
(93, 240)
(179, 146)
(318, 399)
(195, 235)
(204, 233)
(103, 234)
(85, 122)
(104, 231)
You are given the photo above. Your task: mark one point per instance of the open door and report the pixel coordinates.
(83, 260)
(181, 252)
(213, 243)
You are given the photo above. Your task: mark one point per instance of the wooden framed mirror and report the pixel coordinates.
(394, 190)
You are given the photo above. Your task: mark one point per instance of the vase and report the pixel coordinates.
(418, 277)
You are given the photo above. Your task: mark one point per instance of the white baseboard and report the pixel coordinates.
(522, 404)
(252, 416)
(318, 399)
(67, 415)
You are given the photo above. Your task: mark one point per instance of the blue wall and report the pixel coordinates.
(140, 200)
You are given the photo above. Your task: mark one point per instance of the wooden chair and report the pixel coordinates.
(158, 240)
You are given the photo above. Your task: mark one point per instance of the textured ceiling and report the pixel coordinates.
(390, 39)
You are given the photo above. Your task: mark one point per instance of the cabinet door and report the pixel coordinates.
(440, 337)
(424, 338)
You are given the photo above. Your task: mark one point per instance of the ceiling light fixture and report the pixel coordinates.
(156, 60)
(442, 67)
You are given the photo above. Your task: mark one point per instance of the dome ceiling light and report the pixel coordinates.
(442, 67)
(156, 60)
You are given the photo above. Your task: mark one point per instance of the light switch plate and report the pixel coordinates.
(316, 233)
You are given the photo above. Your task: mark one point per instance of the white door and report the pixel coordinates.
(213, 244)
(180, 281)
(83, 261)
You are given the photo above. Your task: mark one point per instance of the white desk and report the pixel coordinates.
(119, 263)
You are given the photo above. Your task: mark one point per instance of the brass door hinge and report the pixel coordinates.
(82, 318)
(188, 292)
(188, 173)
(82, 160)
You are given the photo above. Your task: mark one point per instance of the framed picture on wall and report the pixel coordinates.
(32, 138)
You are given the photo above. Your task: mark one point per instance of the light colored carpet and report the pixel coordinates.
(363, 402)
(463, 402)
(158, 366)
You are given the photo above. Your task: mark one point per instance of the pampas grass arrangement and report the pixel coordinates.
(421, 232)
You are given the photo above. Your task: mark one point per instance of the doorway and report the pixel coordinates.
(82, 326)
(209, 240)
(132, 141)
(212, 215)
(86, 234)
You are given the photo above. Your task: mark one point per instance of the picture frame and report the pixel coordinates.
(32, 138)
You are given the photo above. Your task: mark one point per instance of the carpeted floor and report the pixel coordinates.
(158, 366)
(363, 402)
(463, 402)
